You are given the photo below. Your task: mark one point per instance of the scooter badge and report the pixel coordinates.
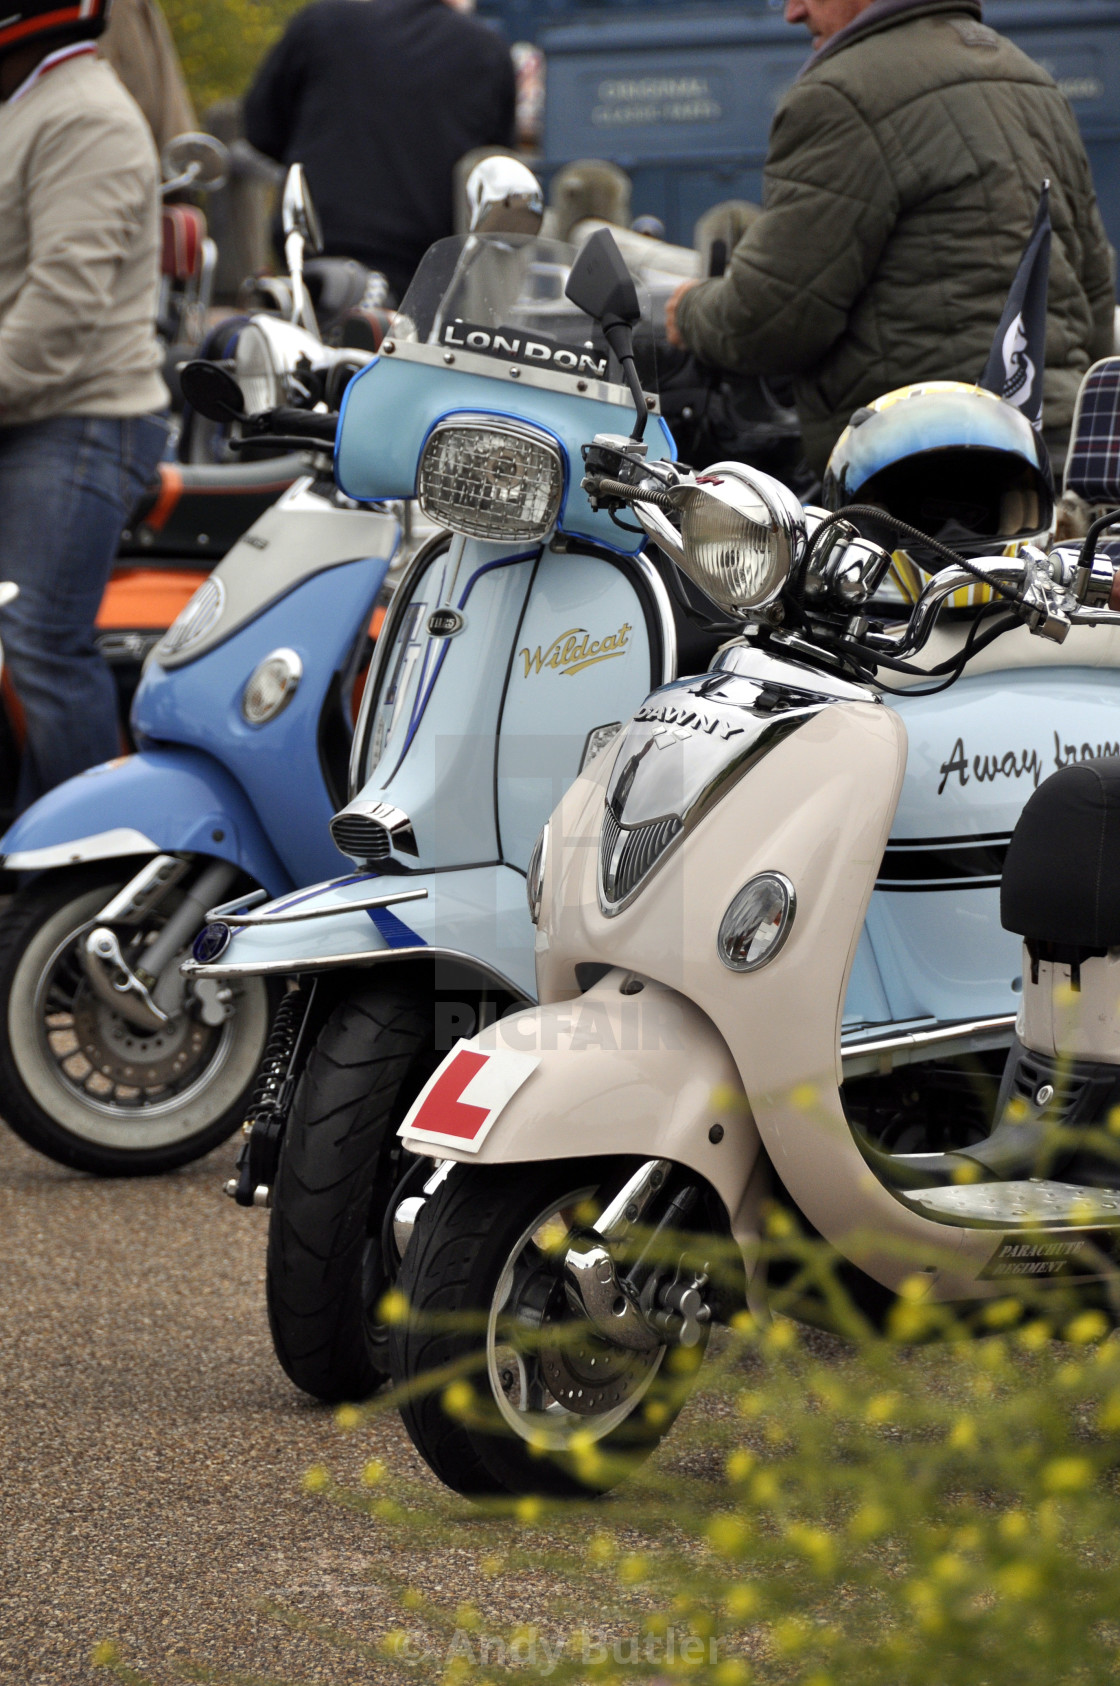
(445, 623)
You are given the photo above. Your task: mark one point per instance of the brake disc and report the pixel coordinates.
(136, 1058)
(588, 1375)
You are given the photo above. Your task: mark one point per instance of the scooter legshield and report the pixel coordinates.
(158, 801)
(613, 1071)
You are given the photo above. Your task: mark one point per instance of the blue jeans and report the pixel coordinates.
(67, 487)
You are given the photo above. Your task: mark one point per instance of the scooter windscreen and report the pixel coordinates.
(502, 296)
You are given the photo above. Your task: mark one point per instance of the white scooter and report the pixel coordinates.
(702, 899)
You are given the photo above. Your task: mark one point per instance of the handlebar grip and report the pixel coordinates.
(304, 424)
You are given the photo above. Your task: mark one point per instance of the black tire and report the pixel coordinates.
(325, 1273)
(163, 1124)
(463, 1239)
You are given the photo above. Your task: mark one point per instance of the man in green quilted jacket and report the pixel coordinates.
(901, 185)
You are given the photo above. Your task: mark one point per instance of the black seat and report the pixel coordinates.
(1061, 879)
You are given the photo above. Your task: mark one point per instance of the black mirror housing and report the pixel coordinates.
(212, 391)
(601, 284)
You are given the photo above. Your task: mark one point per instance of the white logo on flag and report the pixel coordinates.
(1019, 377)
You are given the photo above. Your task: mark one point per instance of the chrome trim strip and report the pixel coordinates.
(664, 607)
(252, 898)
(99, 846)
(442, 356)
(331, 962)
(398, 604)
(909, 1047)
(257, 919)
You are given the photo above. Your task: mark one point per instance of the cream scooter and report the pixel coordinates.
(703, 900)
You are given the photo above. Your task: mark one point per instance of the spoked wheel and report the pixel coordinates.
(82, 1084)
(554, 1407)
(327, 1273)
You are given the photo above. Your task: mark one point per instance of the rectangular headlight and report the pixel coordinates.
(491, 480)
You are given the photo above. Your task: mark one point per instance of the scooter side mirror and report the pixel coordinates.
(194, 160)
(297, 210)
(601, 285)
(504, 197)
(212, 391)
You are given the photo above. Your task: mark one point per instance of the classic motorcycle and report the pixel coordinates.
(770, 969)
(512, 651)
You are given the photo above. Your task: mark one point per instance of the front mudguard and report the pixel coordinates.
(159, 801)
(468, 922)
(616, 1071)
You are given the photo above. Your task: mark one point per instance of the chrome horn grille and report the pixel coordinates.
(371, 831)
(628, 854)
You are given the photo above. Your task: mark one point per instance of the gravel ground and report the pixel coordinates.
(152, 1450)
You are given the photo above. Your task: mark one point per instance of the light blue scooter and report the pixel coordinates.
(508, 660)
(109, 1060)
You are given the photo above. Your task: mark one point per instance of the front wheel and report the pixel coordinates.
(553, 1406)
(326, 1272)
(81, 1083)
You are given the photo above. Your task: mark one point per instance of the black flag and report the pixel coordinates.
(1018, 356)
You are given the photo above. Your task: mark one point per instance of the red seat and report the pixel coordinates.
(184, 230)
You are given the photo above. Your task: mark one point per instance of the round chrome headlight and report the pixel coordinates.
(741, 532)
(268, 350)
(757, 922)
(255, 371)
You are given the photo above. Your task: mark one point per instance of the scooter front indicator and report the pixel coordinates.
(757, 922)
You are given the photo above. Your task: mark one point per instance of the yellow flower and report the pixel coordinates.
(790, 1636)
(741, 1601)
(316, 1479)
(528, 1509)
(1014, 1526)
(104, 1654)
(458, 1397)
(633, 1569)
(740, 1464)
(1001, 1314)
(1067, 1475)
(949, 1569)
(348, 1417)
(1109, 1416)
(962, 1435)
(373, 1473)
(1089, 1327)
(764, 1487)
(881, 1408)
(1019, 1580)
(804, 1097)
(868, 1521)
(1035, 1336)
(816, 1544)
(733, 1671)
(393, 1307)
(600, 1548)
(728, 1535)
